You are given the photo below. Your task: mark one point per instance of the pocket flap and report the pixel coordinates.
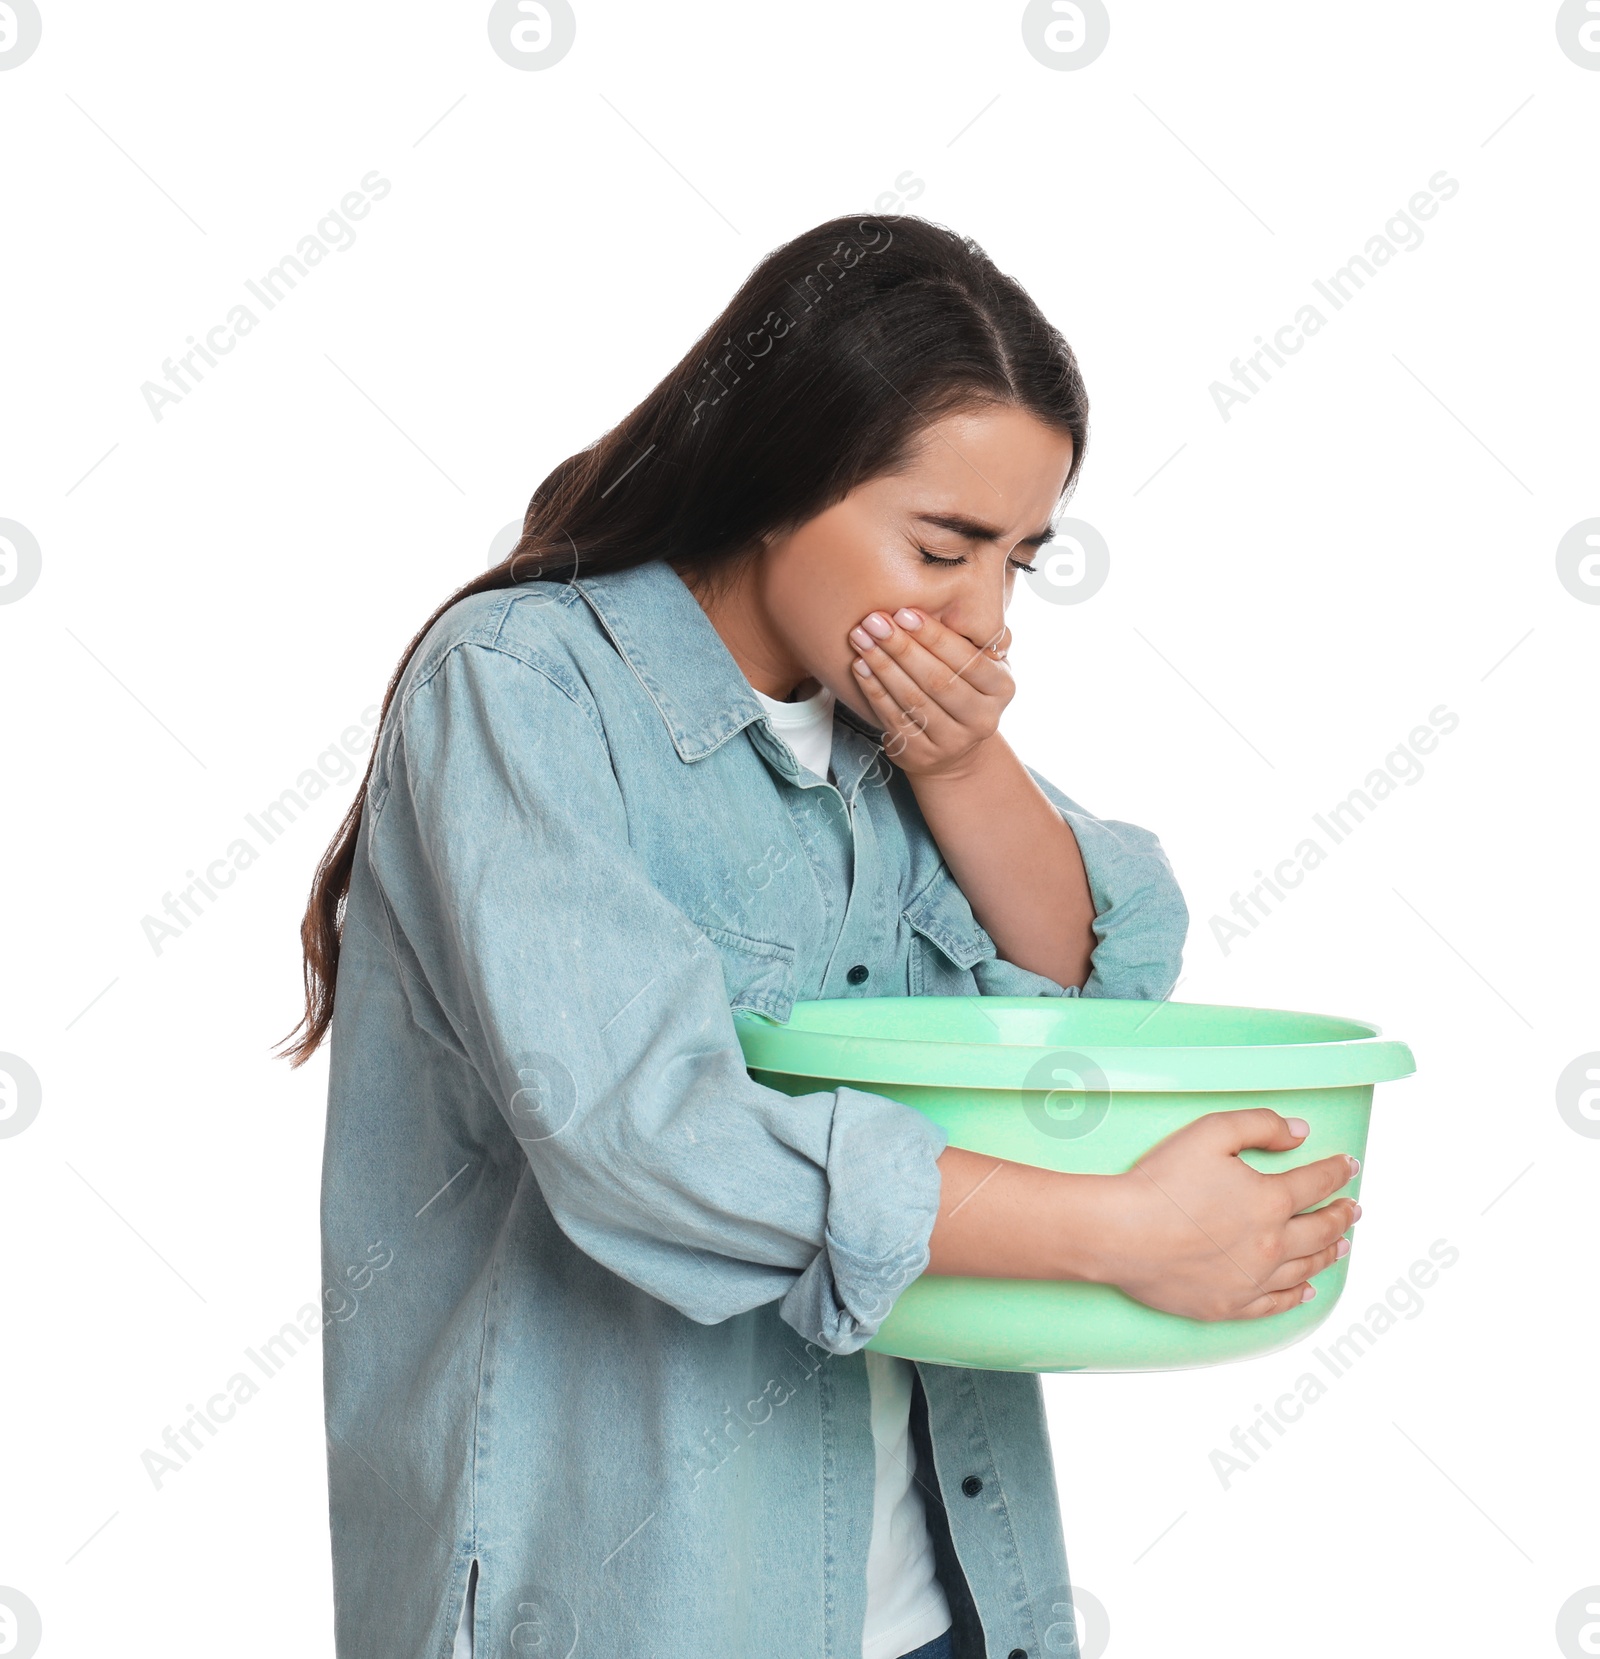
(759, 974)
(941, 914)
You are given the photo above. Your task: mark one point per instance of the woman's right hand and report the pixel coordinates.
(1192, 1229)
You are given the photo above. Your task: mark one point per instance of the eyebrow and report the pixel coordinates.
(972, 530)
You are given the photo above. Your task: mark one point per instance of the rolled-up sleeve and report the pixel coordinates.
(1141, 920)
(596, 1014)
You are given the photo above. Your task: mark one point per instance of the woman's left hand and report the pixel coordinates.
(936, 694)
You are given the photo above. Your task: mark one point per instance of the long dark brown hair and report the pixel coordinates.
(838, 349)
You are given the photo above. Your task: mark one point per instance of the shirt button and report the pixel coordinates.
(972, 1486)
(1018, 1653)
(857, 974)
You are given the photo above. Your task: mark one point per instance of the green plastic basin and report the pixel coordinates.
(1087, 1085)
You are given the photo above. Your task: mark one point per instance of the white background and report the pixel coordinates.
(1291, 590)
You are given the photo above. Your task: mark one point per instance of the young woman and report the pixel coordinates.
(721, 734)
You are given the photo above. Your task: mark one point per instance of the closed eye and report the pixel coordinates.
(934, 559)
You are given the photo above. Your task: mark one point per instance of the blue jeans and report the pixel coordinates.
(938, 1648)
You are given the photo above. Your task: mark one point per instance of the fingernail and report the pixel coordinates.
(908, 619)
(860, 636)
(1298, 1126)
(879, 625)
(1355, 1214)
(1355, 1165)
(1311, 1290)
(1341, 1249)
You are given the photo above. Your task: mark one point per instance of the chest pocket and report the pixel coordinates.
(949, 940)
(759, 974)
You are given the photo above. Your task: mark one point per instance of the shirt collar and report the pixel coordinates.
(698, 688)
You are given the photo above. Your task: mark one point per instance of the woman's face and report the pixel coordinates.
(978, 492)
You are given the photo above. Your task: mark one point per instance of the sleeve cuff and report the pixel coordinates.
(1141, 920)
(883, 1199)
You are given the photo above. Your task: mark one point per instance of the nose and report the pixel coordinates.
(979, 610)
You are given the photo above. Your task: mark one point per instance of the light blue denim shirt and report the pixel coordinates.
(597, 1298)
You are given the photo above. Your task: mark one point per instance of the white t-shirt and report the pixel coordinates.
(906, 1604)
